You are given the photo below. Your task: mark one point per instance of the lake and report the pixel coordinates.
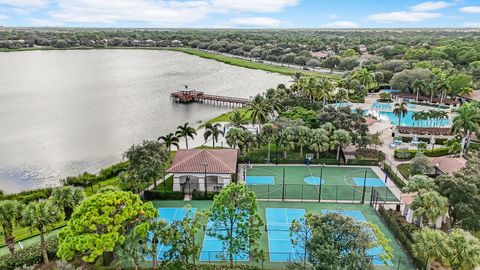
(66, 112)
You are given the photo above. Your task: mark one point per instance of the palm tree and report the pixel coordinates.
(186, 131)
(429, 206)
(400, 111)
(340, 139)
(342, 95)
(417, 86)
(319, 141)
(157, 229)
(9, 215)
(466, 91)
(365, 77)
(466, 122)
(287, 140)
(68, 198)
(259, 109)
(432, 89)
(324, 90)
(379, 77)
(40, 215)
(268, 135)
(417, 116)
(170, 140)
(430, 245)
(214, 131)
(237, 120)
(310, 86)
(304, 136)
(235, 136)
(443, 87)
(273, 100)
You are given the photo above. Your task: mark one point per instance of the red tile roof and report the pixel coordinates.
(448, 165)
(193, 160)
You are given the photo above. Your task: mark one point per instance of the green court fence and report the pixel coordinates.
(321, 193)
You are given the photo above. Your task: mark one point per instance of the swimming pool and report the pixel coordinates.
(407, 120)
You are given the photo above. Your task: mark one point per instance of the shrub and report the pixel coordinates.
(200, 195)
(410, 153)
(112, 171)
(82, 180)
(29, 196)
(151, 195)
(392, 175)
(28, 256)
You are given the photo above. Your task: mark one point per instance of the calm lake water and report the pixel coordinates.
(66, 112)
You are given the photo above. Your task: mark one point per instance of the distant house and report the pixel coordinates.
(190, 168)
(406, 210)
(447, 165)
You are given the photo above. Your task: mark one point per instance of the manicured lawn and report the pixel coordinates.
(250, 64)
(225, 117)
(404, 169)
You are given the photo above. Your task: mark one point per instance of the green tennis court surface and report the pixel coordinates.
(303, 183)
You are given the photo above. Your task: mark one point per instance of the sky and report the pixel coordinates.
(241, 13)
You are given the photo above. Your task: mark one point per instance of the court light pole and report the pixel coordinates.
(205, 179)
(320, 183)
(364, 187)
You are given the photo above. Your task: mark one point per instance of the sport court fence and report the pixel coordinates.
(322, 193)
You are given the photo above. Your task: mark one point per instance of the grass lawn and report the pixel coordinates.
(225, 117)
(250, 64)
(398, 262)
(338, 183)
(404, 169)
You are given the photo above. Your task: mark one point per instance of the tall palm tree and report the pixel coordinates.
(169, 140)
(443, 87)
(319, 141)
(9, 215)
(417, 116)
(304, 136)
(68, 198)
(268, 135)
(340, 139)
(400, 111)
(430, 245)
(433, 90)
(310, 86)
(465, 123)
(365, 77)
(324, 90)
(157, 229)
(287, 140)
(212, 131)
(259, 109)
(237, 120)
(186, 131)
(41, 215)
(417, 86)
(234, 136)
(273, 99)
(429, 206)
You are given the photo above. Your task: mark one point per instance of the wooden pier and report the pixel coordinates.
(189, 96)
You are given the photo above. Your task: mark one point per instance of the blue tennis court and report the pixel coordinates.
(370, 182)
(280, 245)
(170, 215)
(212, 249)
(358, 216)
(260, 180)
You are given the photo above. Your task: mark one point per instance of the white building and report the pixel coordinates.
(190, 168)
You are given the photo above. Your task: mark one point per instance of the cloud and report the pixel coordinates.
(256, 22)
(402, 16)
(429, 6)
(472, 24)
(42, 22)
(258, 6)
(25, 3)
(470, 9)
(341, 24)
(333, 16)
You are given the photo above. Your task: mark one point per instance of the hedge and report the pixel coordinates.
(29, 256)
(29, 196)
(437, 152)
(403, 231)
(151, 195)
(392, 175)
(427, 140)
(200, 195)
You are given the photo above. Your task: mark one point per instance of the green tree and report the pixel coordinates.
(463, 250)
(259, 110)
(268, 136)
(130, 252)
(68, 198)
(10, 214)
(181, 237)
(169, 140)
(235, 136)
(430, 245)
(212, 131)
(319, 141)
(304, 136)
(465, 123)
(417, 86)
(147, 161)
(237, 120)
(157, 235)
(453, 146)
(420, 164)
(41, 215)
(235, 220)
(419, 183)
(186, 131)
(365, 77)
(324, 90)
(340, 139)
(339, 242)
(287, 140)
(400, 111)
(101, 222)
(428, 206)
